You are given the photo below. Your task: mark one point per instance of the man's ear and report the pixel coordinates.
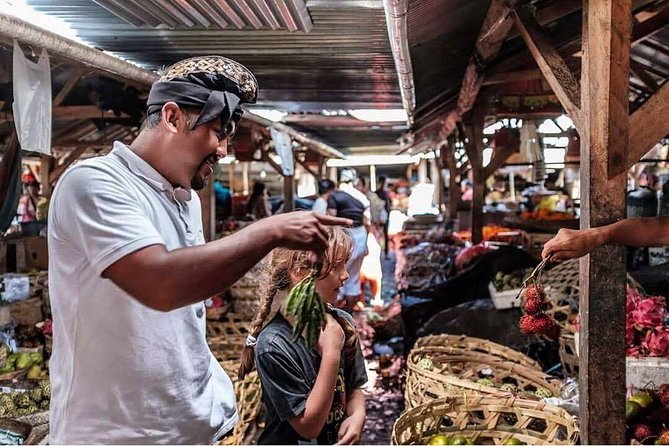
(172, 118)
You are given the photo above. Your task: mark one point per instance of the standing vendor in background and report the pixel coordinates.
(348, 202)
(129, 270)
(635, 232)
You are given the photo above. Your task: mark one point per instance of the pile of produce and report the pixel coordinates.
(647, 325)
(425, 265)
(24, 402)
(535, 320)
(468, 255)
(647, 415)
(546, 215)
(512, 281)
(441, 439)
(23, 361)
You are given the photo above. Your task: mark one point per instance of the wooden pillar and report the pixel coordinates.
(208, 200)
(322, 167)
(448, 154)
(245, 177)
(231, 177)
(475, 154)
(46, 166)
(372, 177)
(604, 138)
(288, 193)
(435, 174)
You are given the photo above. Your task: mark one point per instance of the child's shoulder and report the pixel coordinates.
(276, 335)
(345, 315)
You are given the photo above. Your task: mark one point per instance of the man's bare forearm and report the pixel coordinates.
(636, 232)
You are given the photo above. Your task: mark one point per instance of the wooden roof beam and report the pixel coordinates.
(648, 125)
(556, 72)
(496, 26)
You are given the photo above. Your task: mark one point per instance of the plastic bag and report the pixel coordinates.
(32, 101)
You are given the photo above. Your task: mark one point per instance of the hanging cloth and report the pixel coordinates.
(10, 184)
(32, 101)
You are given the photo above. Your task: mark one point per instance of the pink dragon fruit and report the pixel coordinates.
(657, 342)
(650, 312)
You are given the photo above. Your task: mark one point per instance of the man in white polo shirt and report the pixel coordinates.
(129, 270)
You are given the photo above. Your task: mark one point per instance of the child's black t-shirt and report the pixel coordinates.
(288, 371)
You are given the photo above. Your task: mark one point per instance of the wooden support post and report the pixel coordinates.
(435, 175)
(604, 137)
(288, 193)
(322, 167)
(448, 154)
(208, 201)
(475, 154)
(46, 166)
(245, 177)
(231, 177)
(372, 178)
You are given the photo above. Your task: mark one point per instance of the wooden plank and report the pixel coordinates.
(648, 124)
(46, 166)
(605, 127)
(556, 72)
(308, 169)
(642, 74)
(67, 88)
(650, 25)
(69, 159)
(513, 76)
(499, 158)
(496, 26)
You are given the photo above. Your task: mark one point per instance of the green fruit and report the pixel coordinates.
(23, 400)
(543, 393)
(642, 399)
(632, 410)
(7, 369)
(513, 441)
(44, 405)
(509, 388)
(426, 364)
(45, 387)
(36, 395)
(459, 439)
(485, 382)
(11, 359)
(438, 440)
(35, 372)
(36, 358)
(23, 361)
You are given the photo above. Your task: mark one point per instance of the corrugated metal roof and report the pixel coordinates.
(343, 62)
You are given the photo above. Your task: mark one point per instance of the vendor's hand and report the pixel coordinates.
(350, 431)
(331, 340)
(303, 230)
(571, 244)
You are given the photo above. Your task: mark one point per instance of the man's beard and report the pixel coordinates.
(199, 180)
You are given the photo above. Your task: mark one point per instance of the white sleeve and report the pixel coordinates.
(99, 217)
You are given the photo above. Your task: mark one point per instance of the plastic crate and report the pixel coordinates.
(503, 300)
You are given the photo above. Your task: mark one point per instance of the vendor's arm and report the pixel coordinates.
(350, 431)
(311, 422)
(636, 232)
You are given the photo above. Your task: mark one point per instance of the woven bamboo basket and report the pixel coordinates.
(477, 345)
(453, 373)
(487, 420)
(569, 355)
(226, 339)
(248, 395)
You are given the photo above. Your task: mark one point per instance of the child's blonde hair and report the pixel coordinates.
(278, 268)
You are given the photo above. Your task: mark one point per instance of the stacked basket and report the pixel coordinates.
(486, 420)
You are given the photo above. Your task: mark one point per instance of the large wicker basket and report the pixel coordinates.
(227, 339)
(487, 420)
(248, 395)
(439, 372)
(569, 354)
(477, 345)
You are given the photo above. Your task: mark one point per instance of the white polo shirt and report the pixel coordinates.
(121, 372)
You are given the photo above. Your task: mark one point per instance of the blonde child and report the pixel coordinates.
(312, 396)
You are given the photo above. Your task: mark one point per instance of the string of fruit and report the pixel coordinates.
(535, 320)
(306, 306)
